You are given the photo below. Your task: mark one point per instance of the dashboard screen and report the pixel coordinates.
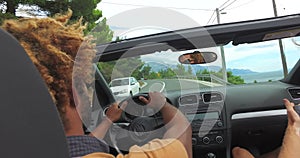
(202, 116)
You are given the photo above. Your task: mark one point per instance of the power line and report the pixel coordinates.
(138, 5)
(215, 12)
(242, 5)
(224, 3)
(214, 19)
(228, 5)
(211, 17)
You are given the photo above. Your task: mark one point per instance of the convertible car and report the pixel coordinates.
(228, 80)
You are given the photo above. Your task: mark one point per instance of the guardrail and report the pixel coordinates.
(205, 77)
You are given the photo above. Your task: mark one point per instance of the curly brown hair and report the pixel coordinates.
(52, 44)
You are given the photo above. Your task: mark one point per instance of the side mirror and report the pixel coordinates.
(198, 57)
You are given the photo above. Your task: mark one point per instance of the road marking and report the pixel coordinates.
(163, 87)
(158, 87)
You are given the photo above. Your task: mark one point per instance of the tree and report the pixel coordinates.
(167, 73)
(12, 5)
(201, 75)
(153, 75)
(190, 70)
(81, 8)
(6, 16)
(145, 72)
(234, 79)
(101, 32)
(88, 12)
(57, 6)
(180, 70)
(122, 68)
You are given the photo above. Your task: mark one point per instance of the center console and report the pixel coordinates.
(206, 113)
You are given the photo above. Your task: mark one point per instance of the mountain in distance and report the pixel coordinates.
(155, 66)
(160, 66)
(241, 71)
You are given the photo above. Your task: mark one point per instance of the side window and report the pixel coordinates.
(292, 51)
(132, 81)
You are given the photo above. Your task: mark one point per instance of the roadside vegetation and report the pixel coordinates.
(144, 71)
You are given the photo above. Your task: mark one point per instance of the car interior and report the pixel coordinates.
(250, 115)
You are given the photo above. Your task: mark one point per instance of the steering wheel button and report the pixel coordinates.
(210, 155)
(219, 139)
(194, 141)
(219, 124)
(205, 140)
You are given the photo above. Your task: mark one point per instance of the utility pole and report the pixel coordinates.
(224, 71)
(283, 58)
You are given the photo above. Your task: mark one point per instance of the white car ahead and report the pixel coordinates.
(124, 87)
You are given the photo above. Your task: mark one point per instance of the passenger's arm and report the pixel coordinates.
(291, 142)
(176, 123)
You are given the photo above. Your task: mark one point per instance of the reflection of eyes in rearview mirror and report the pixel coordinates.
(198, 57)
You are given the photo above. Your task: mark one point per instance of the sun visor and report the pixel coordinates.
(281, 34)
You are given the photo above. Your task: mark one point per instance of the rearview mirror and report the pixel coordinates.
(197, 57)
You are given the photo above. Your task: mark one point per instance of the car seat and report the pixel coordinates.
(30, 124)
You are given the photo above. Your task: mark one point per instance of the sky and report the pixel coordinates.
(201, 10)
(180, 14)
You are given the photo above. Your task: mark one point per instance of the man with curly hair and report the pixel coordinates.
(53, 46)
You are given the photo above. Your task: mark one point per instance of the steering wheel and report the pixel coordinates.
(138, 124)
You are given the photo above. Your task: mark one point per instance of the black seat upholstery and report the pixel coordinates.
(29, 122)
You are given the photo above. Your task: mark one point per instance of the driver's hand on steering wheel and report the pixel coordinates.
(114, 112)
(156, 100)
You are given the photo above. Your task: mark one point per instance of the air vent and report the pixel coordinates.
(189, 99)
(212, 97)
(295, 93)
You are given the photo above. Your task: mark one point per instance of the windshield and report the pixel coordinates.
(121, 82)
(241, 64)
(250, 63)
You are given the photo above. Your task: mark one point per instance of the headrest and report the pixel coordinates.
(29, 122)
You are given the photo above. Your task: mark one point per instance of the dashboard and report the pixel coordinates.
(251, 116)
(207, 114)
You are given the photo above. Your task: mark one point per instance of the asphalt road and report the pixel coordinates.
(171, 84)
